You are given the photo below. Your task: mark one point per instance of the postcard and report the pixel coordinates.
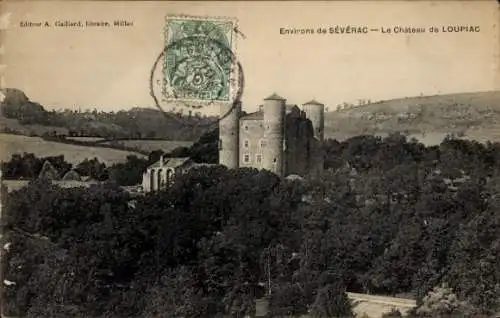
(207, 158)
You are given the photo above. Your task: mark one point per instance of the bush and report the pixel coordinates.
(288, 300)
(442, 302)
(394, 313)
(331, 301)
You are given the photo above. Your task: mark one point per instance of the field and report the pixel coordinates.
(12, 144)
(149, 145)
(429, 118)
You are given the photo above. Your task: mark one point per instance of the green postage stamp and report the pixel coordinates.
(199, 61)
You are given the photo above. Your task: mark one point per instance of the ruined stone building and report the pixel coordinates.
(160, 174)
(279, 137)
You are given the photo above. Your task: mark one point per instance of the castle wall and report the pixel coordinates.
(229, 135)
(146, 181)
(315, 112)
(298, 136)
(274, 113)
(157, 178)
(252, 146)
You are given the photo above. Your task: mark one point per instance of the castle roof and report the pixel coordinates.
(72, 175)
(274, 96)
(169, 162)
(314, 102)
(202, 164)
(258, 115)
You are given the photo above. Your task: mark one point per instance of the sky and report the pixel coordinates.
(109, 68)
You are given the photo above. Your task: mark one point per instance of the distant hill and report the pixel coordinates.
(427, 118)
(22, 116)
(12, 144)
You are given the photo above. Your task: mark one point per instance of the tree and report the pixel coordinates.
(442, 302)
(74, 252)
(128, 173)
(92, 168)
(474, 257)
(385, 218)
(288, 300)
(331, 301)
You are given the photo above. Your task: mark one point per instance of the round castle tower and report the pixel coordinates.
(229, 135)
(274, 129)
(315, 112)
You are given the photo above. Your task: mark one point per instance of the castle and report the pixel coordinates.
(278, 137)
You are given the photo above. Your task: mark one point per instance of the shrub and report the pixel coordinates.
(288, 300)
(443, 302)
(394, 313)
(331, 301)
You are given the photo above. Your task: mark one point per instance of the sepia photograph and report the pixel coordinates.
(245, 159)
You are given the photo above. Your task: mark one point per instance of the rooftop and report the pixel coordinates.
(169, 162)
(258, 115)
(274, 96)
(314, 102)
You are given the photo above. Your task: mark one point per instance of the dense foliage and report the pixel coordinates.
(391, 216)
(28, 166)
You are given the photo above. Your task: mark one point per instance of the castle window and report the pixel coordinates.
(245, 144)
(220, 144)
(262, 143)
(246, 158)
(274, 160)
(246, 127)
(258, 158)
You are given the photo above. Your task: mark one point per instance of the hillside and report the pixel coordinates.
(428, 118)
(23, 116)
(11, 144)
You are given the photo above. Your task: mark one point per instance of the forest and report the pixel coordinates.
(389, 216)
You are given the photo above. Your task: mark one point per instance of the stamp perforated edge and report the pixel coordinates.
(233, 79)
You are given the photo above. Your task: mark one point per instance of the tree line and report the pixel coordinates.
(27, 166)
